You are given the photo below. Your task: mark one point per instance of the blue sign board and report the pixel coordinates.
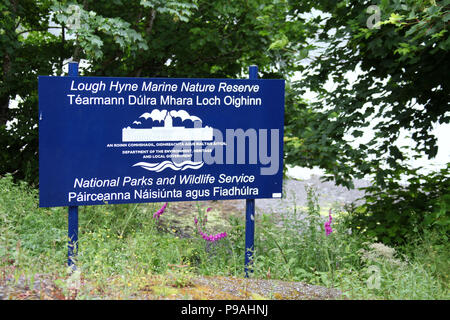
(129, 140)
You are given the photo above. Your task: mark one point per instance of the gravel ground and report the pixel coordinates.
(328, 193)
(40, 288)
(200, 288)
(269, 289)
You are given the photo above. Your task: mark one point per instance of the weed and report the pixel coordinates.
(120, 245)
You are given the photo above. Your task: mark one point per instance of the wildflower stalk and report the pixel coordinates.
(328, 231)
(330, 265)
(327, 225)
(282, 253)
(202, 221)
(158, 213)
(128, 219)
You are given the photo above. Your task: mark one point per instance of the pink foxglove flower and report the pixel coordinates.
(212, 238)
(207, 237)
(327, 225)
(158, 213)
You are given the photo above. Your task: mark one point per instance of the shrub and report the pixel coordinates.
(394, 212)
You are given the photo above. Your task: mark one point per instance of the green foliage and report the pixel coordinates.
(401, 85)
(21, 216)
(398, 212)
(387, 274)
(183, 38)
(401, 80)
(299, 249)
(86, 25)
(312, 136)
(127, 244)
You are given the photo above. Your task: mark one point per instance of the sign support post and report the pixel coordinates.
(250, 208)
(73, 210)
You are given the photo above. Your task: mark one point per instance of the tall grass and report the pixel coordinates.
(122, 244)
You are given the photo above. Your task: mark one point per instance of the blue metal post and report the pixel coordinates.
(250, 209)
(73, 210)
(73, 236)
